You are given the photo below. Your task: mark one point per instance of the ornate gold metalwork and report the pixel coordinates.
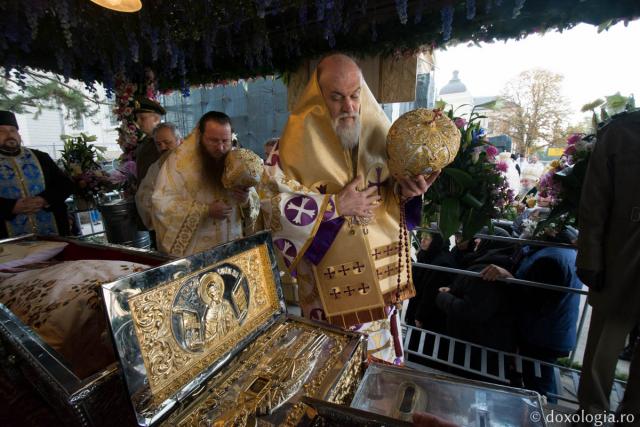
(242, 168)
(422, 141)
(345, 389)
(171, 364)
(289, 358)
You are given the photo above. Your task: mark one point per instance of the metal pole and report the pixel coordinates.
(512, 280)
(515, 240)
(583, 317)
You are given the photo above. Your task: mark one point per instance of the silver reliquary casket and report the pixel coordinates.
(397, 393)
(205, 340)
(57, 365)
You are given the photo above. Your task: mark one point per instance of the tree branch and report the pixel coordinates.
(55, 80)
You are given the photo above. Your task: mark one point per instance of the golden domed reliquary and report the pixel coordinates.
(242, 168)
(421, 141)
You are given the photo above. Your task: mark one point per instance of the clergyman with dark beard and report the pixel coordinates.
(191, 210)
(32, 188)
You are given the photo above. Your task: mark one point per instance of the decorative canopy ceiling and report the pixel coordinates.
(191, 42)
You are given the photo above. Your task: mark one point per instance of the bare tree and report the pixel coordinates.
(533, 111)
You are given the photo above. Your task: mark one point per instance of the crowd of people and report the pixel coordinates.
(533, 322)
(335, 211)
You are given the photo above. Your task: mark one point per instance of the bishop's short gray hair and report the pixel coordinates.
(167, 125)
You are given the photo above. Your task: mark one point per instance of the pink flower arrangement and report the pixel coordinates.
(561, 185)
(491, 151)
(80, 159)
(460, 122)
(579, 147)
(573, 139)
(502, 166)
(471, 190)
(569, 151)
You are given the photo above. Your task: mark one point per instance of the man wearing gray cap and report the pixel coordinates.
(148, 115)
(32, 188)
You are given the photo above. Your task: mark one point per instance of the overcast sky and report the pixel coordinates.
(593, 65)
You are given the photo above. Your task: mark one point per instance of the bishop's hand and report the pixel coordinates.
(352, 202)
(240, 195)
(417, 185)
(219, 210)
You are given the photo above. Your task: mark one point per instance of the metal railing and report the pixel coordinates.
(495, 365)
(513, 280)
(514, 240)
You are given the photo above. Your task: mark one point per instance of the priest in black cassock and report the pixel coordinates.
(33, 189)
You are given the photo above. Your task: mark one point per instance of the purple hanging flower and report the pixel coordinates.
(155, 44)
(329, 36)
(248, 57)
(63, 16)
(471, 9)
(229, 43)
(446, 14)
(419, 10)
(320, 8)
(66, 71)
(33, 18)
(182, 66)
(519, 4)
(261, 7)
(108, 88)
(186, 91)
(401, 8)
(336, 16)
(59, 60)
(173, 60)
(363, 7)
(302, 14)
(207, 51)
(268, 52)
(488, 6)
(134, 48)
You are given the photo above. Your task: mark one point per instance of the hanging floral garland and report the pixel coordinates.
(129, 133)
(194, 42)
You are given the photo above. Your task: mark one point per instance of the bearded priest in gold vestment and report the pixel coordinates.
(335, 212)
(191, 210)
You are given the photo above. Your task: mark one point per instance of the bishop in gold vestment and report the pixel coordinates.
(334, 211)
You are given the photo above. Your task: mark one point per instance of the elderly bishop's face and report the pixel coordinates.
(340, 82)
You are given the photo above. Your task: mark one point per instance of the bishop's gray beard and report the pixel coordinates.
(348, 134)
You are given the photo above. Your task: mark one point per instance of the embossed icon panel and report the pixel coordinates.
(208, 307)
(186, 324)
(176, 325)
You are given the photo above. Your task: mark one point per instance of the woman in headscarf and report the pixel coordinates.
(422, 310)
